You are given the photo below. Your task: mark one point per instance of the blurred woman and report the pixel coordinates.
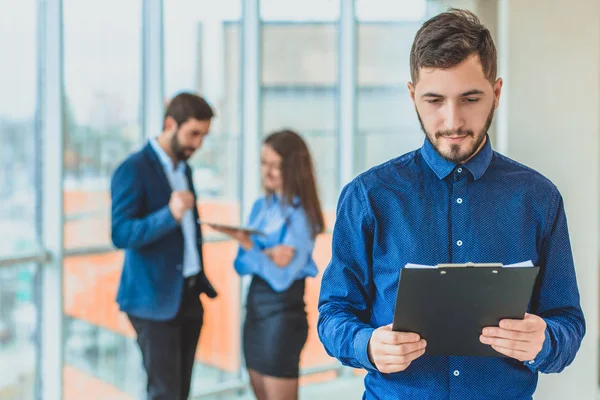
(280, 259)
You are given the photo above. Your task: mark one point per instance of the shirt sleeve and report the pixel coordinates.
(299, 236)
(347, 287)
(556, 299)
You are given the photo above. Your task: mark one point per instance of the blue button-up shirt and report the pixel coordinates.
(420, 208)
(178, 181)
(282, 224)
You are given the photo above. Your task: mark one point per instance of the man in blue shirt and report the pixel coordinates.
(155, 220)
(453, 200)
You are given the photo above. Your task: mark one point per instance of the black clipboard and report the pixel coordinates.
(449, 306)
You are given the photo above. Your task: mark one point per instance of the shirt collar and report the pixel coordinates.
(164, 158)
(442, 167)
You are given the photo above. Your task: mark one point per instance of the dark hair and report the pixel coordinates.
(187, 105)
(448, 39)
(298, 175)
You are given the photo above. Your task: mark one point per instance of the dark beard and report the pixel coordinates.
(178, 150)
(455, 155)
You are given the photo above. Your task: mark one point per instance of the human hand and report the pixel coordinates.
(517, 338)
(180, 202)
(281, 255)
(391, 351)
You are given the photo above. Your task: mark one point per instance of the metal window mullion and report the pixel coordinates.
(347, 91)
(152, 69)
(251, 124)
(52, 134)
(347, 102)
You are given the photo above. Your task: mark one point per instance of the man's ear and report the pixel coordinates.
(170, 124)
(411, 90)
(497, 91)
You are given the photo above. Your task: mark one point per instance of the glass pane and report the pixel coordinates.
(102, 102)
(299, 89)
(18, 327)
(100, 350)
(387, 123)
(18, 133)
(102, 63)
(306, 10)
(391, 10)
(202, 54)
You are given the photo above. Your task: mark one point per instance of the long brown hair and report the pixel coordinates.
(298, 175)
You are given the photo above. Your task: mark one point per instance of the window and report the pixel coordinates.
(300, 91)
(387, 123)
(202, 54)
(19, 140)
(102, 69)
(19, 190)
(102, 75)
(299, 81)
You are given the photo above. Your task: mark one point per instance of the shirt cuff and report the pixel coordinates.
(535, 364)
(361, 343)
(250, 254)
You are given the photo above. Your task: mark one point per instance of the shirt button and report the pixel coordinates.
(459, 170)
(456, 373)
(459, 243)
(459, 200)
(531, 362)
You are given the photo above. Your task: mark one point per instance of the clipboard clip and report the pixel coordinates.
(471, 265)
(444, 267)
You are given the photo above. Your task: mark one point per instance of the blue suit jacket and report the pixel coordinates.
(142, 224)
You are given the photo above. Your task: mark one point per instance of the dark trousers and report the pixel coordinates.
(168, 348)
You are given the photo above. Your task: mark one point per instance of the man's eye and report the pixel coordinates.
(433, 101)
(471, 100)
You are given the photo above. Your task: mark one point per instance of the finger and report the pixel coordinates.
(522, 325)
(506, 334)
(391, 337)
(403, 359)
(517, 354)
(505, 343)
(403, 349)
(537, 320)
(182, 194)
(244, 236)
(285, 250)
(392, 368)
(285, 262)
(186, 193)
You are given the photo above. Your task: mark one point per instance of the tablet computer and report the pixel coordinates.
(247, 229)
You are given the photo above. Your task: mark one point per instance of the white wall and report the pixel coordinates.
(550, 59)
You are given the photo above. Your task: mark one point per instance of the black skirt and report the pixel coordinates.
(275, 329)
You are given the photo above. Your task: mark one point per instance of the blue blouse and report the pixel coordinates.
(282, 224)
